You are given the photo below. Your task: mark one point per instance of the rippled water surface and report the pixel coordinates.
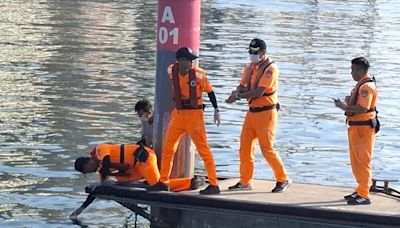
(71, 72)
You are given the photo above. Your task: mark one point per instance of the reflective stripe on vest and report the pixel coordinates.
(177, 90)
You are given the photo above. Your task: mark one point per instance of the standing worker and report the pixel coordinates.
(361, 113)
(188, 83)
(259, 86)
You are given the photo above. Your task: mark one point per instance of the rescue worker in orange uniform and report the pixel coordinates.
(361, 113)
(259, 84)
(128, 163)
(188, 84)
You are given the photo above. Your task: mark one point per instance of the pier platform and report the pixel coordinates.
(301, 205)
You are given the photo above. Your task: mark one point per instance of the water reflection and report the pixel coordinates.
(71, 73)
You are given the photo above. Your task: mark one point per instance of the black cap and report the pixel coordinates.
(185, 52)
(257, 45)
(80, 163)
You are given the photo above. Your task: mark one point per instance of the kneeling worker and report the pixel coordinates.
(126, 163)
(130, 162)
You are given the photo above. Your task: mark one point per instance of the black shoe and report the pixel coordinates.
(210, 190)
(240, 187)
(196, 182)
(351, 196)
(160, 186)
(358, 200)
(282, 186)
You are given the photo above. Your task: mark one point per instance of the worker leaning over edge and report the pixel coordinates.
(361, 114)
(259, 84)
(188, 84)
(128, 163)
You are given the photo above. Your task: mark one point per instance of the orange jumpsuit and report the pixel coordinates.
(362, 138)
(260, 125)
(136, 171)
(189, 121)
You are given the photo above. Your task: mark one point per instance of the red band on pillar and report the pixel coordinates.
(178, 24)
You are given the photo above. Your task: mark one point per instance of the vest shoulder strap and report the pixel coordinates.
(193, 99)
(122, 154)
(358, 89)
(260, 73)
(354, 96)
(176, 86)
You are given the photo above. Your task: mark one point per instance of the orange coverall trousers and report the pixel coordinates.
(189, 121)
(361, 144)
(261, 126)
(149, 171)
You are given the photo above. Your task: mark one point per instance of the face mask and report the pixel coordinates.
(144, 117)
(254, 58)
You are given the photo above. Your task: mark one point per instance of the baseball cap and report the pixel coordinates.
(185, 52)
(257, 45)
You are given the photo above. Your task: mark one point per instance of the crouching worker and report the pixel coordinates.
(128, 163)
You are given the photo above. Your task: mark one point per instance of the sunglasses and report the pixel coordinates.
(254, 51)
(185, 60)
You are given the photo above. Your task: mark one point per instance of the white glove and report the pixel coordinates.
(217, 119)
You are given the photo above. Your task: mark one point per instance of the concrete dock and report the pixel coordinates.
(302, 205)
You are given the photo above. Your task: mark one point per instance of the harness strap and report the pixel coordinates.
(122, 154)
(354, 96)
(177, 88)
(264, 108)
(269, 94)
(192, 88)
(360, 123)
(373, 123)
(260, 73)
(186, 104)
(193, 99)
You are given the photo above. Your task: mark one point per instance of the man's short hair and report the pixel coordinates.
(362, 62)
(143, 105)
(80, 163)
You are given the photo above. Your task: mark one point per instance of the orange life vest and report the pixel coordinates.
(366, 118)
(192, 102)
(122, 156)
(354, 96)
(264, 66)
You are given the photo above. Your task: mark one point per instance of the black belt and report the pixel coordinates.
(264, 108)
(361, 123)
(373, 123)
(184, 106)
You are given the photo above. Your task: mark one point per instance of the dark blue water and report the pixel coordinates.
(71, 72)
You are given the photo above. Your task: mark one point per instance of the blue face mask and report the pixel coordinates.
(254, 58)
